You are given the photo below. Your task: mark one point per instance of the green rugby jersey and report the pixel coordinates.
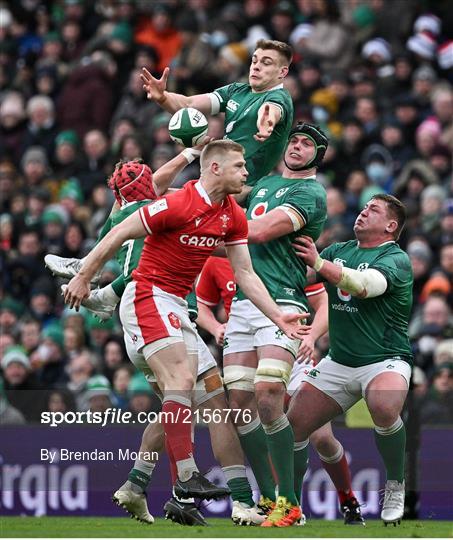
(366, 331)
(283, 273)
(241, 106)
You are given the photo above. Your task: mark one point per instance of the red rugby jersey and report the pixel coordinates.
(216, 282)
(184, 228)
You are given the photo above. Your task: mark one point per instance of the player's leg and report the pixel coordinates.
(333, 459)
(272, 376)
(212, 404)
(239, 367)
(385, 395)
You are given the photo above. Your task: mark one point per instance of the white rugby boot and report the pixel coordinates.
(67, 268)
(135, 504)
(393, 507)
(243, 514)
(99, 303)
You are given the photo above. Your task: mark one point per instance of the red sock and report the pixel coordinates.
(341, 477)
(177, 427)
(171, 459)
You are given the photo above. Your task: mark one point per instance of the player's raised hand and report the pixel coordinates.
(77, 290)
(290, 324)
(265, 124)
(306, 249)
(219, 334)
(204, 141)
(155, 88)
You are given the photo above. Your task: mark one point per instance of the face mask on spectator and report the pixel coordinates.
(378, 173)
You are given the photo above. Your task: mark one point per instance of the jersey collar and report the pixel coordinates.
(202, 192)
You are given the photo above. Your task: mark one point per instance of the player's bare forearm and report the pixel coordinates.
(164, 176)
(206, 319)
(320, 325)
(131, 227)
(277, 223)
(256, 292)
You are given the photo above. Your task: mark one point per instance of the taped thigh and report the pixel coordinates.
(207, 388)
(274, 371)
(239, 378)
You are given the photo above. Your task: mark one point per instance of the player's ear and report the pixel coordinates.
(283, 72)
(392, 226)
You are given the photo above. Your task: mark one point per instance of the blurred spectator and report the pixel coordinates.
(437, 406)
(9, 415)
(96, 165)
(60, 400)
(142, 399)
(86, 98)
(113, 356)
(98, 394)
(80, 368)
(12, 126)
(121, 379)
(22, 389)
(41, 128)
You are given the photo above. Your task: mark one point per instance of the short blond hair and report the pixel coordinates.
(220, 147)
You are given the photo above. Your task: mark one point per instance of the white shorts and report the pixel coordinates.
(248, 329)
(347, 385)
(298, 376)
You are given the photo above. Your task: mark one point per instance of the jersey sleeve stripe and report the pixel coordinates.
(314, 293)
(299, 211)
(216, 101)
(143, 218)
(205, 302)
(235, 242)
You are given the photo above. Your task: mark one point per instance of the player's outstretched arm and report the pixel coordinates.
(269, 116)
(79, 287)
(278, 222)
(164, 176)
(255, 290)
(367, 284)
(156, 90)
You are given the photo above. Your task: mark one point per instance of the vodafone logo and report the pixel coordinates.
(199, 241)
(259, 210)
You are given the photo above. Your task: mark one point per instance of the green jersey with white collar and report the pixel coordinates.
(283, 273)
(241, 107)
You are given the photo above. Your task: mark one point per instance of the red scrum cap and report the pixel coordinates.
(132, 181)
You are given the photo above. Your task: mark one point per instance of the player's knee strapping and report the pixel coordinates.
(207, 388)
(274, 371)
(239, 378)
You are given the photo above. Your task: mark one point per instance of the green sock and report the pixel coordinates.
(391, 443)
(253, 442)
(139, 478)
(238, 483)
(300, 466)
(280, 440)
(118, 286)
(140, 474)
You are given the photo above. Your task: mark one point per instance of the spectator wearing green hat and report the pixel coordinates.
(142, 399)
(70, 195)
(67, 160)
(48, 361)
(10, 312)
(98, 393)
(22, 389)
(99, 331)
(53, 226)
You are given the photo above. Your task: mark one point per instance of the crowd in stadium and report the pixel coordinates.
(376, 75)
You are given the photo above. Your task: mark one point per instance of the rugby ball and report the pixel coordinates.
(188, 126)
